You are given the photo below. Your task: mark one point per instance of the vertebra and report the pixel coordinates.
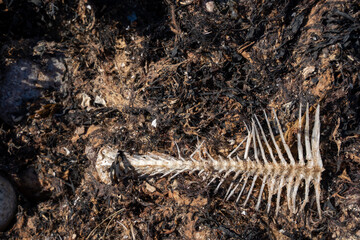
(268, 163)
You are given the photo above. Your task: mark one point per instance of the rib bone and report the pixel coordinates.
(273, 170)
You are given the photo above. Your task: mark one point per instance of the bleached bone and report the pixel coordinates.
(267, 165)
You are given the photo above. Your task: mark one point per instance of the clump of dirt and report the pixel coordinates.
(142, 75)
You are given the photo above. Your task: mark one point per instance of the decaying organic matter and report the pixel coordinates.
(275, 170)
(84, 75)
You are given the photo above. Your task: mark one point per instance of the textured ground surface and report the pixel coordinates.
(199, 70)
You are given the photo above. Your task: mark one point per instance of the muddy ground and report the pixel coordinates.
(106, 70)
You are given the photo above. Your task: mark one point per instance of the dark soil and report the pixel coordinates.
(201, 73)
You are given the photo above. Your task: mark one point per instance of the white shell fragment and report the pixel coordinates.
(105, 158)
(85, 100)
(154, 123)
(99, 100)
(7, 203)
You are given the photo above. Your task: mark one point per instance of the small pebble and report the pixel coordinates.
(7, 203)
